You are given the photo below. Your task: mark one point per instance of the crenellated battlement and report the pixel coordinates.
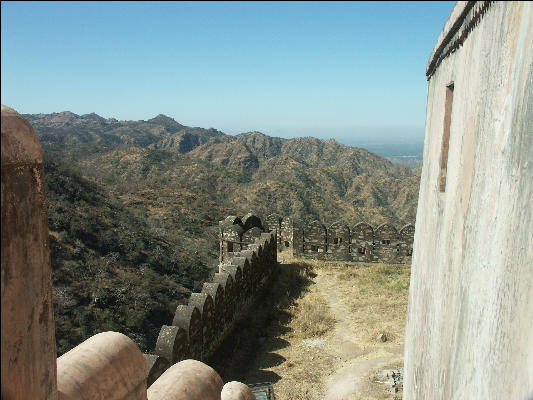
(109, 365)
(198, 328)
(339, 242)
(469, 323)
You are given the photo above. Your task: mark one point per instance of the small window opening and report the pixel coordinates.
(314, 248)
(337, 241)
(385, 241)
(230, 247)
(361, 250)
(446, 138)
(287, 244)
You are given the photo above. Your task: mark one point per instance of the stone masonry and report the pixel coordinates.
(361, 243)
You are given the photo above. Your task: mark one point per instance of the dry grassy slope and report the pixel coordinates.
(310, 152)
(115, 265)
(94, 133)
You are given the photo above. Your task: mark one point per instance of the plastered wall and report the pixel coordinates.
(469, 332)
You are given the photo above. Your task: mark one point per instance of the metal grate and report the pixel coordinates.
(263, 391)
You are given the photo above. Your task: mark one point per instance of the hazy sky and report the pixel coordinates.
(342, 70)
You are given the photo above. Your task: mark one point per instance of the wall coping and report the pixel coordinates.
(453, 25)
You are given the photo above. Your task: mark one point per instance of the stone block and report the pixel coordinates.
(204, 302)
(236, 391)
(338, 240)
(188, 379)
(156, 366)
(172, 344)
(105, 366)
(190, 319)
(315, 240)
(226, 281)
(216, 291)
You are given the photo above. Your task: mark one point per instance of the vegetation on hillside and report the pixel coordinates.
(112, 269)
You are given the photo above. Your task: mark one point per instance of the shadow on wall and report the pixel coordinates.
(199, 328)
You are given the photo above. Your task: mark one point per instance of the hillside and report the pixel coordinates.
(113, 269)
(134, 207)
(306, 177)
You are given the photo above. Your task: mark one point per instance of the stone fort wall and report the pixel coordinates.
(109, 365)
(360, 243)
(199, 327)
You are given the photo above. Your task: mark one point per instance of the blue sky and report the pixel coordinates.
(348, 71)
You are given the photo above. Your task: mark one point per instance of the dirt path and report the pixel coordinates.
(358, 363)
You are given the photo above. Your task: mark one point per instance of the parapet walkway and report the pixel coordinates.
(340, 360)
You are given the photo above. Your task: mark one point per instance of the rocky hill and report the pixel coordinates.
(306, 177)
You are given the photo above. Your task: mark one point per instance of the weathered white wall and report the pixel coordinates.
(469, 331)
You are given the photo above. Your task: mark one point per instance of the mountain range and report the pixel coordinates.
(305, 177)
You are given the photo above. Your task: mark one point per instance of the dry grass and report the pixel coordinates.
(309, 311)
(311, 316)
(371, 299)
(303, 373)
(375, 293)
(377, 297)
(255, 346)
